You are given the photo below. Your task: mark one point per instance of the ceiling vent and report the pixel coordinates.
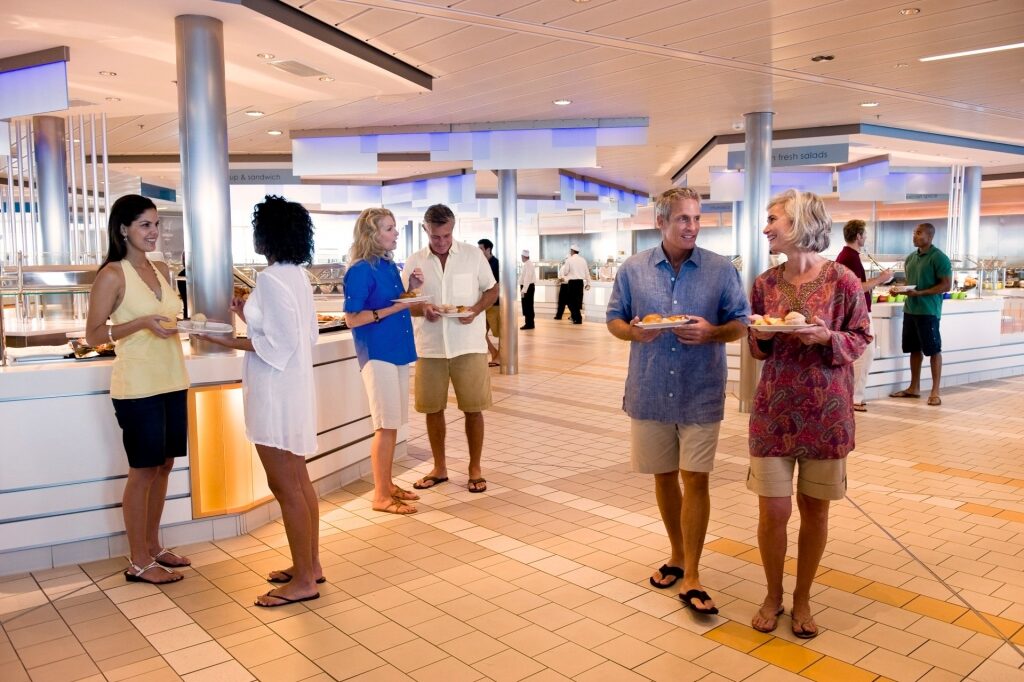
(296, 68)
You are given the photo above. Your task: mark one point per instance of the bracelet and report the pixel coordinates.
(110, 333)
(376, 317)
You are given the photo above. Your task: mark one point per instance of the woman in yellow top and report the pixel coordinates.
(148, 383)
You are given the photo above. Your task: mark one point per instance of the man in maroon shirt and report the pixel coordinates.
(855, 234)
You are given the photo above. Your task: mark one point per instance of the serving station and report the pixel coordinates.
(62, 464)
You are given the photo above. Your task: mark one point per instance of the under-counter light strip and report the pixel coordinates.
(968, 53)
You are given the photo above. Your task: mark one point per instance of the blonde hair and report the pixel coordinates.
(812, 224)
(364, 236)
(663, 204)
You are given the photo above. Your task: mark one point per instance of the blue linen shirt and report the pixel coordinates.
(669, 381)
(372, 286)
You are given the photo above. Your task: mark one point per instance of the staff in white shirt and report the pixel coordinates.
(527, 280)
(576, 274)
(451, 349)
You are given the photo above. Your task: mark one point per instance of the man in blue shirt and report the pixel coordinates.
(675, 388)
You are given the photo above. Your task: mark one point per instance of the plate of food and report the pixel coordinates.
(792, 322)
(412, 296)
(200, 325)
(902, 288)
(656, 321)
(449, 310)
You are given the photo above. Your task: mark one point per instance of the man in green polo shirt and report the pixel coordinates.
(931, 273)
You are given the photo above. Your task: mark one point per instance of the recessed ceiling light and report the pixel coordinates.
(580, 2)
(113, 99)
(868, 105)
(900, 65)
(265, 55)
(562, 102)
(325, 79)
(823, 57)
(968, 53)
(110, 74)
(254, 113)
(274, 132)
(909, 11)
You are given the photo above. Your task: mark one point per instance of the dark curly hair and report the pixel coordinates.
(283, 231)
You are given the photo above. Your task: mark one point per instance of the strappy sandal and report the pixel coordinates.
(400, 493)
(397, 506)
(166, 552)
(133, 574)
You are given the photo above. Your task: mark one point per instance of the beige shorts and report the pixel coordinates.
(822, 479)
(467, 373)
(661, 447)
(493, 315)
(387, 387)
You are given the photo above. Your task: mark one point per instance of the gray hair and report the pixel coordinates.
(663, 204)
(812, 224)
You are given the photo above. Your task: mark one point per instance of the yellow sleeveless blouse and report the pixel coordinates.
(146, 365)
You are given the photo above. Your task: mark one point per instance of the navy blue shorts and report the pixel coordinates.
(921, 334)
(153, 429)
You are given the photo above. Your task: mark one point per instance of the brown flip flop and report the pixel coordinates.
(934, 400)
(904, 394)
(477, 485)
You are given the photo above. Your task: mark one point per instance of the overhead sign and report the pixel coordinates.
(811, 155)
(272, 176)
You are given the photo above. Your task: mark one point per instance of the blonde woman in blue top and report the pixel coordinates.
(382, 329)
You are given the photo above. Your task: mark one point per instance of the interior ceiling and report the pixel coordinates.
(694, 68)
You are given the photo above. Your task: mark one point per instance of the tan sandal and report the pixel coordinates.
(133, 574)
(397, 506)
(400, 493)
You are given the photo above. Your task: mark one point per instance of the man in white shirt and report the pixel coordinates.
(576, 274)
(451, 349)
(527, 280)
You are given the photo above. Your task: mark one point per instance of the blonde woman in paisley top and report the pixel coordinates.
(803, 408)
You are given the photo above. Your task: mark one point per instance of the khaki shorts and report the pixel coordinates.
(822, 479)
(661, 447)
(494, 320)
(387, 388)
(467, 373)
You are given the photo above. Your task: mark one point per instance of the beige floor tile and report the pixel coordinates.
(729, 663)
(64, 670)
(473, 647)
(258, 651)
(117, 644)
(197, 657)
(588, 633)
(50, 651)
(552, 616)
(447, 670)
(229, 671)
(158, 622)
(13, 671)
(441, 629)
(947, 658)
(498, 623)
(322, 643)
(570, 659)
(669, 668)
(38, 634)
(413, 655)
(894, 666)
(350, 662)
(508, 666)
(287, 669)
(532, 640)
(609, 672)
(179, 638)
(357, 619)
(383, 636)
(627, 651)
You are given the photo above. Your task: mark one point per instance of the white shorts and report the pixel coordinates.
(387, 387)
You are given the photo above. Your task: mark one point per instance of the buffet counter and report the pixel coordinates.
(62, 463)
(595, 299)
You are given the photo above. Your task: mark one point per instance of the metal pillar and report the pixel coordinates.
(757, 186)
(737, 222)
(52, 185)
(203, 138)
(970, 213)
(509, 291)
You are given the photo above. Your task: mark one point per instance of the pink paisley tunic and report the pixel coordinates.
(804, 402)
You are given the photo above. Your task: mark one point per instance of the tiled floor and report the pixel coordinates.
(544, 577)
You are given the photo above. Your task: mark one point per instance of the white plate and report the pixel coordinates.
(665, 325)
(464, 313)
(772, 328)
(210, 328)
(415, 299)
(903, 289)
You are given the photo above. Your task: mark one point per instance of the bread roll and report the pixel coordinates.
(652, 318)
(795, 318)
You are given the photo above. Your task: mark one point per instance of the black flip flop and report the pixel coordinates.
(703, 596)
(285, 601)
(474, 485)
(278, 581)
(434, 480)
(667, 571)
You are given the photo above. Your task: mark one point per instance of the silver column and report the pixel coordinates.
(970, 213)
(509, 291)
(203, 138)
(52, 185)
(737, 224)
(757, 186)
